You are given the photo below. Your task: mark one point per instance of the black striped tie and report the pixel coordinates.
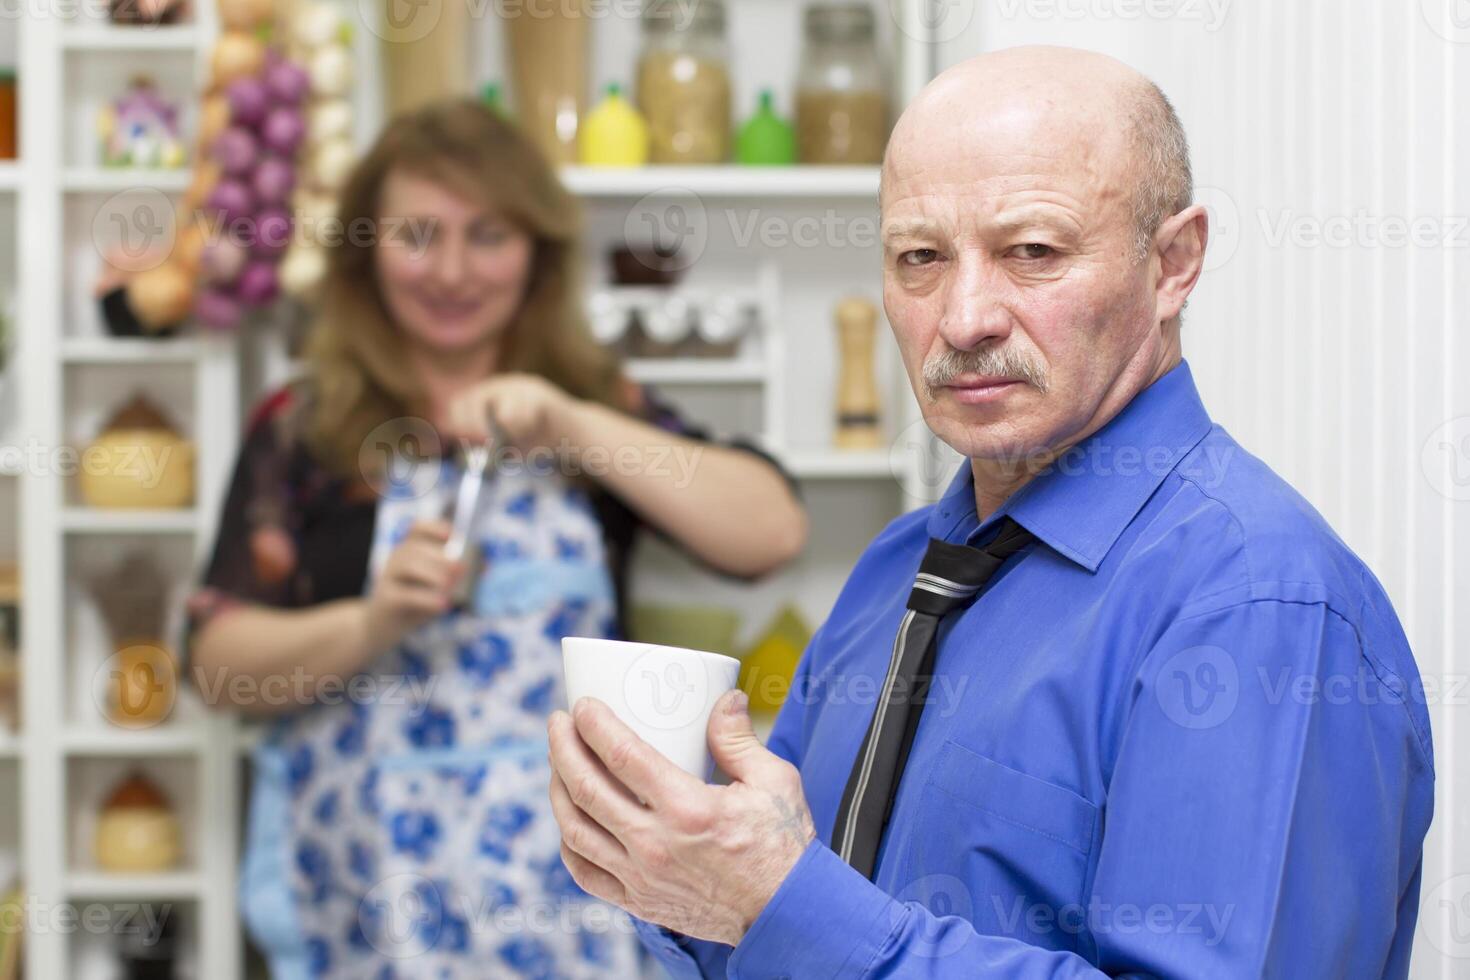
(950, 576)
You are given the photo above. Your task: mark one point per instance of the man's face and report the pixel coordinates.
(1010, 279)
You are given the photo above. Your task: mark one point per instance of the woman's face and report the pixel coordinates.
(452, 274)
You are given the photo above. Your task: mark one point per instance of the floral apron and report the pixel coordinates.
(406, 832)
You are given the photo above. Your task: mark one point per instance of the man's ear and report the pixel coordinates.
(1180, 245)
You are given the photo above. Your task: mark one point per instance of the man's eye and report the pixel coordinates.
(918, 256)
(1034, 250)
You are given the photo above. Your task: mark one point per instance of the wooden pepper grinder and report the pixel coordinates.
(857, 383)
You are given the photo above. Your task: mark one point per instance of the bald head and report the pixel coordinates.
(1112, 117)
(1038, 247)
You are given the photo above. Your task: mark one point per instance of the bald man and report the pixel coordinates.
(1120, 703)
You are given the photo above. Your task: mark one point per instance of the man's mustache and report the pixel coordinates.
(1003, 362)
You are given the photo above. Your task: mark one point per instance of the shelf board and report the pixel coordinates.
(106, 180)
(836, 464)
(129, 350)
(168, 739)
(725, 181)
(92, 520)
(696, 371)
(10, 175)
(10, 745)
(186, 885)
(109, 37)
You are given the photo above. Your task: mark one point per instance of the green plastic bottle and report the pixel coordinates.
(492, 97)
(766, 140)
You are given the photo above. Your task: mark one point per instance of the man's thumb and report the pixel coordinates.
(733, 743)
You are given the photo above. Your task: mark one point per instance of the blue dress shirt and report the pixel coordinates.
(1182, 735)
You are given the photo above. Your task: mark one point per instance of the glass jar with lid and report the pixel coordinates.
(841, 103)
(684, 81)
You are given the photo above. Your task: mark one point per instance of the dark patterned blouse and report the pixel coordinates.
(293, 533)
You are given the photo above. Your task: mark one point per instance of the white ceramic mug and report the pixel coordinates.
(665, 694)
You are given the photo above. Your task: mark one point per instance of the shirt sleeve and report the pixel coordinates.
(1265, 818)
(684, 957)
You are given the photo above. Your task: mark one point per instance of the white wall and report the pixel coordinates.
(1339, 360)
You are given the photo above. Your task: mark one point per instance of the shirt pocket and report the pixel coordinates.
(1020, 846)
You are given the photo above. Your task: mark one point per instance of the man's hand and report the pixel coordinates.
(702, 860)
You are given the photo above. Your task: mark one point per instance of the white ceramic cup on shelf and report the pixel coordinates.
(665, 694)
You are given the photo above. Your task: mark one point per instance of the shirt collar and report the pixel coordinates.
(1082, 503)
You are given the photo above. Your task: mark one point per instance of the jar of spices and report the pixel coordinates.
(841, 108)
(684, 81)
(8, 141)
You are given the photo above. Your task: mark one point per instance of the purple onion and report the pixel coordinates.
(258, 284)
(283, 129)
(217, 309)
(236, 150)
(231, 198)
(274, 179)
(249, 99)
(287, 82)
(272, 233)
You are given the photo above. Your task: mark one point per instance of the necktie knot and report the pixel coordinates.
(951, 575)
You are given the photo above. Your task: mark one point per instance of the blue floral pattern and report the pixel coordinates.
(422, 840)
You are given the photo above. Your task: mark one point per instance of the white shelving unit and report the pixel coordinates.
(753, 183)
(68, 374)
(149, 40)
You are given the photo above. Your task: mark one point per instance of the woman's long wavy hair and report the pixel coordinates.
(354, 352)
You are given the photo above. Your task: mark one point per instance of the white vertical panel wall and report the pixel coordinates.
(1342, 361)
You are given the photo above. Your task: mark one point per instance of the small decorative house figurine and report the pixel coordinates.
(140, 129)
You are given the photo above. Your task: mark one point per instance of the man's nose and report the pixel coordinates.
(974, 308)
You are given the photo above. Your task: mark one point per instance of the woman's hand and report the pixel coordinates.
(530, 411)
(416, 584)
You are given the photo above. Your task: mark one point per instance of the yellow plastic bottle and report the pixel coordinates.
(614, 134)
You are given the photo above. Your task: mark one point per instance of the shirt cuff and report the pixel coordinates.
(664, 944)
(825, 920)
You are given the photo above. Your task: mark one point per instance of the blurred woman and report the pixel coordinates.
(400, 822)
